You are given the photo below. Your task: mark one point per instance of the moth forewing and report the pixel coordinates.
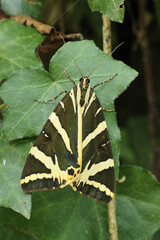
(52, 159)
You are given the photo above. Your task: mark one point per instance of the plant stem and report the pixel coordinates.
(113, 232)
(106, 34)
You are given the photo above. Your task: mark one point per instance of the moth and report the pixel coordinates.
(73, 148)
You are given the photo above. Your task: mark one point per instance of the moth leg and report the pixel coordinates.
(108, 110)
(50, 99)
(108, 80)
(69, 77)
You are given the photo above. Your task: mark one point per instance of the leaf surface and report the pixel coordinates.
(138, 208)
(17, 47)
(114, 9)
(11, 194)
(65, 214)
(26, 117)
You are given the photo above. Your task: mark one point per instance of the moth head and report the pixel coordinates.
(84, 82)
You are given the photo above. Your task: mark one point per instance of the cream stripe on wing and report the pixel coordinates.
(101, 187)
(56, 123)
(96, 168)
(79, 134)
(56, 172)
(99, 109)
(39, 155)
(36, 176)
(72, 96)
(93, 97)
(62, 105)
(100, 128)
(86, 100)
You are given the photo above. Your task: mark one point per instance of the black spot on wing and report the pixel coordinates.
(71, 171)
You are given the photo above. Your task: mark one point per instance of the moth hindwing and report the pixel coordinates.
(73, 148)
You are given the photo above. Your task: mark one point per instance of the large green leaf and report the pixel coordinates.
(17, 47)
(23, 7)
(61, 214)
(9, 234)
(25, 117)
(138, 208)
(114, 9)
(65, 214)
(11, 195)
(136, 145)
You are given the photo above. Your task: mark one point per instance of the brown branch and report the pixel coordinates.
(113, 232)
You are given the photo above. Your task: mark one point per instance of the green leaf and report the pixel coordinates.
(114, 9)
(17, 47)
(136, 146)
(11, 195)
(24, 113)
(59, 214)
(23, 7)
(25, 117)
(138, 208)
(9, 234)
(115, 138)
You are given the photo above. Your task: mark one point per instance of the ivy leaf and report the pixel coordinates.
(65, 214)
(17, 47)
(25, 117)
(59, 214)
(138, 208)
(114, 9)
(11, 195)
(9, 234)
(134, 135)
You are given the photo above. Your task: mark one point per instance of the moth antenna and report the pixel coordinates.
(64, 13)
(71, 55)
(116, 48)
(105, 58)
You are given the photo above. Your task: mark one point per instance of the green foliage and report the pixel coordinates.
(134, 135)
(11, 195)
(114, 9)
(138, 208)
(23, 7)
(61, 214)
(9, 234)
(65, 214)
(17, 47)
(24, 112)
